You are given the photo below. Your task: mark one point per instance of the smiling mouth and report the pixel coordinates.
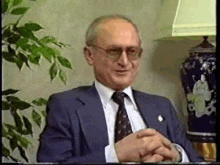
(121, 72)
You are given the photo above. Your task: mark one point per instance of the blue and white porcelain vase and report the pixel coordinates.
(199, 83)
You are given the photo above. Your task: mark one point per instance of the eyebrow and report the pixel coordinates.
(117, 46)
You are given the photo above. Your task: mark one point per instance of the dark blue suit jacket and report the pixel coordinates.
(76, 129)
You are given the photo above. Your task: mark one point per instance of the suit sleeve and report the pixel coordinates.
(177, 133)
(62, 139)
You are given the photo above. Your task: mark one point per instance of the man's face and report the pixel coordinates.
(119, 73)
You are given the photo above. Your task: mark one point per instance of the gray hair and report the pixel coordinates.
(92, 32)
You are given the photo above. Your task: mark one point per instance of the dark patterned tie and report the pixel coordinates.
(122, 123)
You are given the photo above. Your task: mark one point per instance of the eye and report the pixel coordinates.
(114, 51)
(132, 51)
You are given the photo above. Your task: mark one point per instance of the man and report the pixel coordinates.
(83, 124)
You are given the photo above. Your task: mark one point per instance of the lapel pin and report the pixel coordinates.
(160, 118)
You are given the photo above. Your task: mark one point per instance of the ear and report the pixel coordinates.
(89, 55)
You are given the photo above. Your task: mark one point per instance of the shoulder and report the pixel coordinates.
(75, 92)
(70, 99)
(150, 97)
(72, 96)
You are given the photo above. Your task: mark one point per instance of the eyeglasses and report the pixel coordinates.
(114, 53)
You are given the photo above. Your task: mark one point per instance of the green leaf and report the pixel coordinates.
(23, 141)
(21, 105)
(7, 33)
(19, 63)
(4, 6)
(19, 10)
(10, 91)
(57, 52)
(60, 44)
(44, 113)
(11, 51)
(65, 62)
(5, 151)
(14, 159)
(13, 143)
(36, 117)
(23, 153)
(51, 51)
(8, 57)
(26, 33)
(16, 2)
(35, 49)
(28, 125)
(53, 71)
(12, 98)
(18, 122)
(47, 39)
(14, 38)
(10, 127)
(46, 54)
(34, 59)
(5, 105)
(26, 47)
(23, 58)
(40, 101)
(33, 26)
(63, 44)
(63, 76)
(4, 132)
(21, 42)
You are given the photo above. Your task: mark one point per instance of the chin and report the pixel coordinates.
(121, 85)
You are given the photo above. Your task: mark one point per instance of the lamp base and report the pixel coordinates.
(199, 83)
(206, 150)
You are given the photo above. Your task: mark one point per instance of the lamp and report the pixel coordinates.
(193, 19)
(184, 18)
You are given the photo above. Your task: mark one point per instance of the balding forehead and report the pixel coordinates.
(100, 22)
(109, 23)
(112, 25)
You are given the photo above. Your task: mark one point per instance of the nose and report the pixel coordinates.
(123, 59)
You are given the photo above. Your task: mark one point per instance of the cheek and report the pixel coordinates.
(136, 66)
(103, 65)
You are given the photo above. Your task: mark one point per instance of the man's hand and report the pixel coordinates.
(169, 155)
(146, 145)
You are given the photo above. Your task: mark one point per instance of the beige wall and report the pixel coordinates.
(68, 20)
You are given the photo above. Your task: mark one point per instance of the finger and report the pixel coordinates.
(167, 143)
(150, 132)
(154, 158)
(149, 147)
(176, 155)
(165, 152)
(146, 132)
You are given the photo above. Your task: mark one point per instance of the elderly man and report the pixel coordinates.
(109, 121)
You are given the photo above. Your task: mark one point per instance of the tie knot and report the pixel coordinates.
(118, 97)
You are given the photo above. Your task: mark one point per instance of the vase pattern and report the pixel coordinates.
(199, 83)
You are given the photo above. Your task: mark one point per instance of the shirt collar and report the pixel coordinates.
(106, 93)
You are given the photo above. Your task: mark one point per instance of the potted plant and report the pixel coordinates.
(21, 46)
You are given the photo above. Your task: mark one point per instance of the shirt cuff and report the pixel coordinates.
(184, 155)
(110, 154)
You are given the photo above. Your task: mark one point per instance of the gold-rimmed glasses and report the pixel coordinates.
(114, 53)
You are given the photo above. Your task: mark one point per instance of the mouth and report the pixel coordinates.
(122, 72)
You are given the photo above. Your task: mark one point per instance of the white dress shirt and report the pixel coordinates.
(110, 110)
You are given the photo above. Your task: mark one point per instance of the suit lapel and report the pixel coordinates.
(92, 119)
(149, 111)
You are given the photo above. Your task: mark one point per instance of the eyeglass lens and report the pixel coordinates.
(132, 52)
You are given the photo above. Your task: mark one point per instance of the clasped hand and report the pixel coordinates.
(146, 145)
